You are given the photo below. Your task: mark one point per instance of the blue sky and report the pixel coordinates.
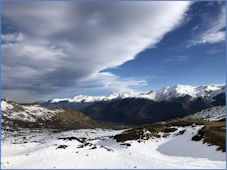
(63, 49)
(172, 62)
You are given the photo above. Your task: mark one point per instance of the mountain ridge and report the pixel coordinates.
(166, 93)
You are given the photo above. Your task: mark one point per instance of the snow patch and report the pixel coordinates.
(5, 105)
(183, 146)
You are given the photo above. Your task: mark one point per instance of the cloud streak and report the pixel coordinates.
(176, 59)
(57, 45)
(214, 32)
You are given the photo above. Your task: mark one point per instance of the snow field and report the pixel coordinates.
(100, 150)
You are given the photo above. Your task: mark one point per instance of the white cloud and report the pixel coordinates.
(12, 37)
(213, 33)
(107, 81)
(211, 38)
(67, 42)
(214, 37)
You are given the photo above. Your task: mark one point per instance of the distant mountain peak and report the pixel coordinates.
(166, 93)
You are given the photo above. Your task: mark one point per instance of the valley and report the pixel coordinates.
(128, 133)
(125, 110)
(113, 84)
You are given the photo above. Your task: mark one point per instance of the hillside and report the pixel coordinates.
(211, 132)
(36, 116)
(132, 112)
(215, 113)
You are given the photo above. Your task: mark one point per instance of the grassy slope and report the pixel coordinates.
(212, 132)
(70, 119)
(62, 120)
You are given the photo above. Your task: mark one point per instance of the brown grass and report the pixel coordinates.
(212, 132)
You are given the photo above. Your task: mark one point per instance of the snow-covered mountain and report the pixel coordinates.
(166, 93)
(215, 113)
(27, 113)
(36, 116)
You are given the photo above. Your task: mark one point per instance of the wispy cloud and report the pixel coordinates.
(214, 29)
(106, 80)
(195, 28)
(176, 59)
(64, 43)
(210, 38)
(216, 50)
(211, 4)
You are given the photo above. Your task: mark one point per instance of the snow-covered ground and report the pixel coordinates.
(95, 148)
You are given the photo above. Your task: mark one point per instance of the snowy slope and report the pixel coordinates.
(36, 116)
(212, 114)
(166, 93)
(27, 113)
(95, 149)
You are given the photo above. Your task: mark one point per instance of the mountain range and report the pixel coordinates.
(182, 93)
(117, 111)
(166, 93)
(32, 132)
(120, 110)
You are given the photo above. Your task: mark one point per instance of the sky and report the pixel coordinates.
(61, 49)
